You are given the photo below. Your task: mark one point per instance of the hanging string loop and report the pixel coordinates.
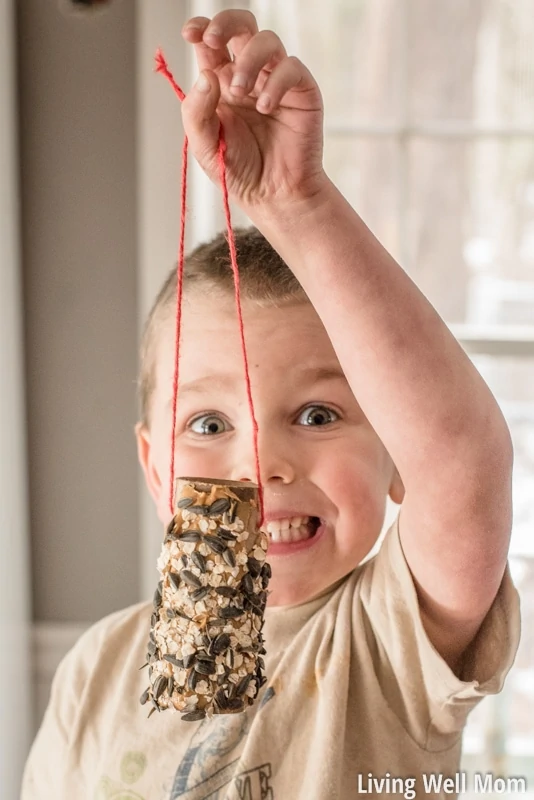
(162, 67)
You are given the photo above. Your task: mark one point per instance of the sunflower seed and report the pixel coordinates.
(220, 643)
(191, 579)
(226, 591)
(190, 536)
(229, 557)
(170, 527)
(215, 544)
(199, 561)
(151, 648)
(157, 598)
(206, 658)
(173, 660)
(236, 704)
(184, 560)
(192, 680)
(174, 579)
(204, 667)
(247, 584)
(231, 514)
(254, 566)
(170, 613)
(243, 684)
(228, 536)
(160, 684)
(194, 716)
(182, 614)
(151, 711)
(231, 612)
(266, 570)
(185, 502)
(219, 506)
(170, 685)
(203, 510)
(189, 660)
(221, 699)
(144, 697)
(153, 619)
(199, 594)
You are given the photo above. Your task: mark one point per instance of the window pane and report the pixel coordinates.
(471, 228)
(500, 733)
(365, 171)
(478, 61)
(512, 382)
(352, 47)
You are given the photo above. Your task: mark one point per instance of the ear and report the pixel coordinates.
(396, 487)
(144, 454)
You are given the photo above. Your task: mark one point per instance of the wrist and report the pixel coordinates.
(286, 210)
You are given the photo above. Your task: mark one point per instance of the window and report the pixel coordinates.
(430, 135)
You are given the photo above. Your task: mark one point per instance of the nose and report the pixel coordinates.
(276, 463)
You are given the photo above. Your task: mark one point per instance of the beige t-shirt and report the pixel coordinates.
(355, 687)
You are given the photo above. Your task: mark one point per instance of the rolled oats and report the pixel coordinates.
(205, 637)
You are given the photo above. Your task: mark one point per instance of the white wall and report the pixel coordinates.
(77, 142)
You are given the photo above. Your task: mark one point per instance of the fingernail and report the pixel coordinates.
(213, 30)
(264, 102)
(239, 81)
(202, 84)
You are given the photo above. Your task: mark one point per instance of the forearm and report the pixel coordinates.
(412, 379)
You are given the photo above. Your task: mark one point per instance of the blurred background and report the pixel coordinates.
(429, 134)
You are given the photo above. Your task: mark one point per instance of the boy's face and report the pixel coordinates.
(320, 457)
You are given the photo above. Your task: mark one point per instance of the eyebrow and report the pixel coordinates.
(221, 381)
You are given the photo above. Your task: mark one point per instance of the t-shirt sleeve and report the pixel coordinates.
(45, 768)
(431, 701)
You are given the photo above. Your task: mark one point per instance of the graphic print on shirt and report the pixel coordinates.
(200, 775)
(132, 768)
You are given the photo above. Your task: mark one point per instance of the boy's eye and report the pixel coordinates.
(318, 415)
(208, 424)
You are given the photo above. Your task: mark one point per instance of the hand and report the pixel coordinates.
(270, 108)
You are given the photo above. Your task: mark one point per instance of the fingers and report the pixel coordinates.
(263, 51)
(233, 27)
(261, 66)
(289, 75)
(200, 119)
(208, 57)
(211, 37)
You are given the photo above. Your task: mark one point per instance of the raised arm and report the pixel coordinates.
(434, 413)
(432, 410)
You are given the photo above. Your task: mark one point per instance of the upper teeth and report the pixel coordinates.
(276, 525)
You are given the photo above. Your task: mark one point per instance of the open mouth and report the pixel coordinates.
(293, 529)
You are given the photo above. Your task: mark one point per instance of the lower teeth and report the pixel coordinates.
(294, 534)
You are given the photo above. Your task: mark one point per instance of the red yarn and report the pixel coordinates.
(161, 66)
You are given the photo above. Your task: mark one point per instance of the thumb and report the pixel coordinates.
(201, 123)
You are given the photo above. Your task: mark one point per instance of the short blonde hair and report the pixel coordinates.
(263, 277)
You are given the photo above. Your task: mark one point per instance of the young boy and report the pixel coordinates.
(373, 668)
